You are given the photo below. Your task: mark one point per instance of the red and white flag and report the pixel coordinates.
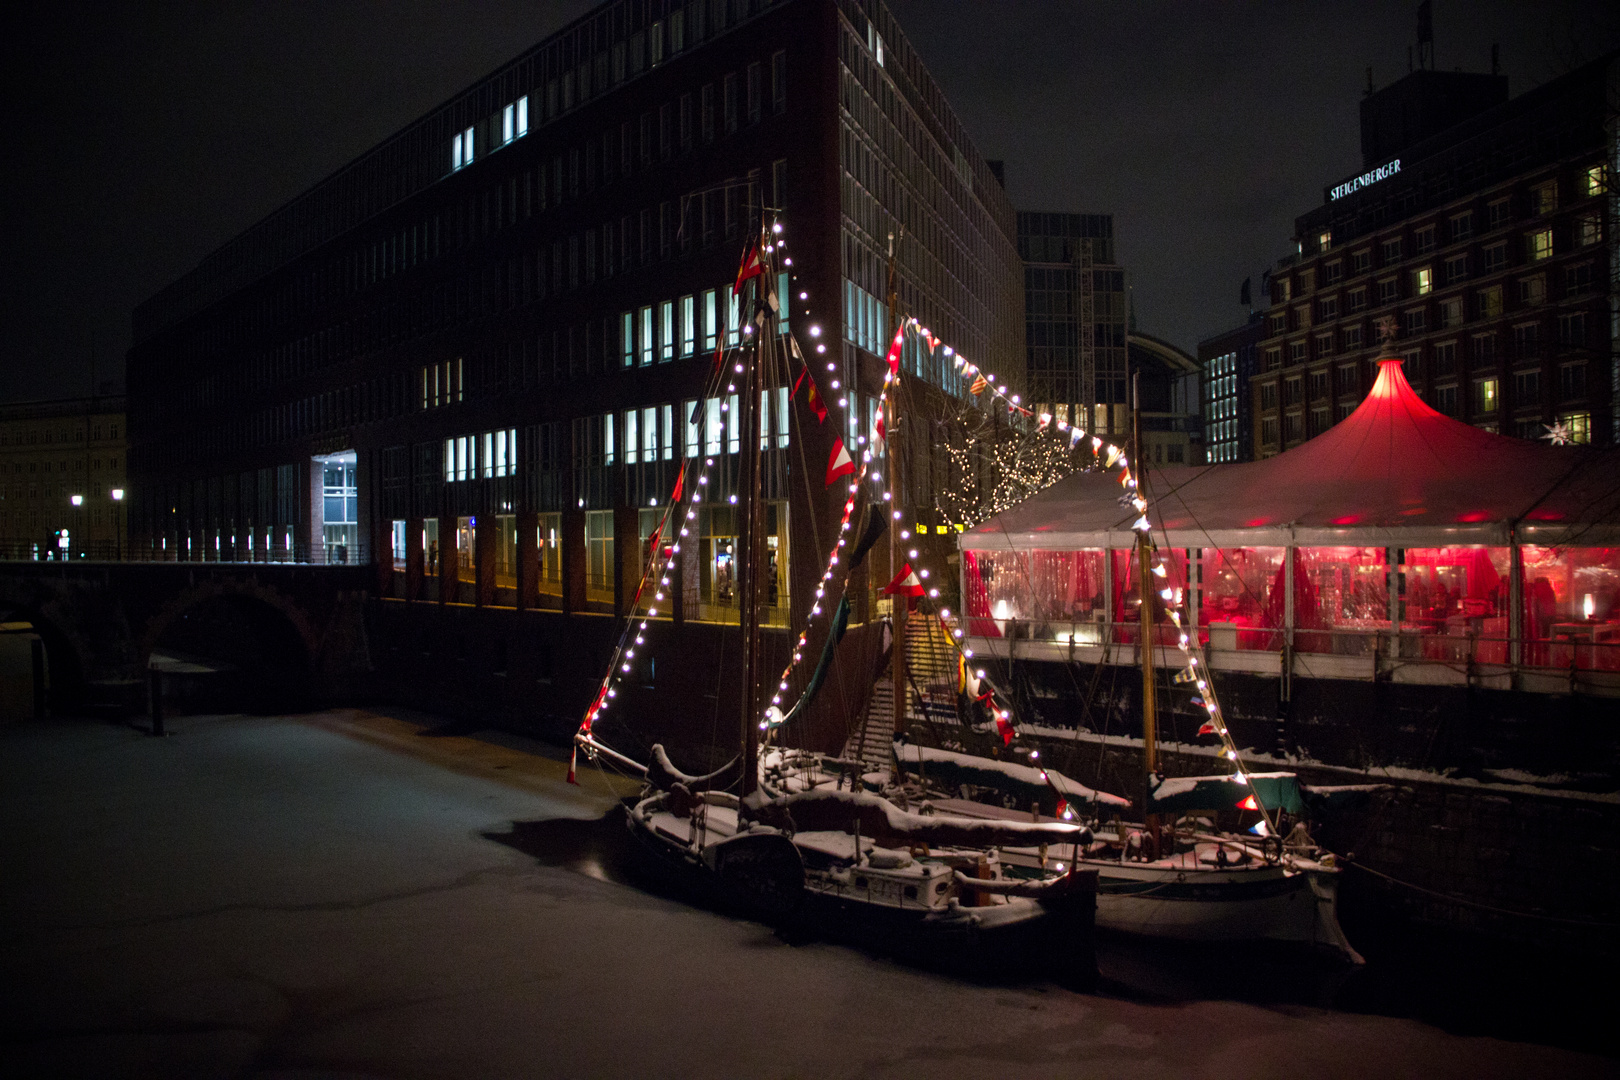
(905, 583)
(839, 464)
(750, 269)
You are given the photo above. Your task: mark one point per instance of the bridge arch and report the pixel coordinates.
(258, 642)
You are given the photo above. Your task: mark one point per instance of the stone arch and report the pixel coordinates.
(265, 643)
(85, 631)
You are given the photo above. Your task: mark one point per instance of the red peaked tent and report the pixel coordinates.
(1395, 473)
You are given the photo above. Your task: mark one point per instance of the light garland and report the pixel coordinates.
(1194, 666)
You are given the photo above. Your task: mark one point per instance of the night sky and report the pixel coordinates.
(139, 137)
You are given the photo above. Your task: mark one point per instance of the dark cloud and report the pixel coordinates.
(139, 137)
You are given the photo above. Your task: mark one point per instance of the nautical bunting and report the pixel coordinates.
(839, 464)
(979, 386)
(751, 268)
(905, 583)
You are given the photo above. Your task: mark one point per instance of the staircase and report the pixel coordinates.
(872, 744)
(931, 673)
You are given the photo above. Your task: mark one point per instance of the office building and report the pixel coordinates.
(1227, 362)
(474, 353)
(1478, 241)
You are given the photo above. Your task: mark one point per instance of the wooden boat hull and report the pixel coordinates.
(1262, 903)
(1050, 937)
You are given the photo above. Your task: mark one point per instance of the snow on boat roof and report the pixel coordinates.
(1027, 775)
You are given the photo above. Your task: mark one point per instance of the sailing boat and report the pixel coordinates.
(842, 861)
(1198, 884)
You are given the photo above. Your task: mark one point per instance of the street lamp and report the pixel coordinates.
(77, 501)
(118, 525)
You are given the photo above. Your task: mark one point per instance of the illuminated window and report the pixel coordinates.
(692, 412)
(1324, 240)
(666, 330)
(1579, 424)
(1538, 245)
(461, 150)
(667, 432)
(627, 334)
(515, 120)
(646, 336)
(632, 448)
(688, 325)
(1597, 180)
(1588, 229)
(1423, 281)
(711, 322)
(1484, 396)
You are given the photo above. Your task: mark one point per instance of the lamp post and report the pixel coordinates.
(118, 523)
(78, 503)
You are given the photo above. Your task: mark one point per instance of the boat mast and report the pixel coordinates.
(1145, 628)
(899, 603)
(748, 561)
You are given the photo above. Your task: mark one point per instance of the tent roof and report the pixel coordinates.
(1394, 473)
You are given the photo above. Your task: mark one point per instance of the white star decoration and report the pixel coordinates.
(1559, 434)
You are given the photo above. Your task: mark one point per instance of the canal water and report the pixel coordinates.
(1462, 986)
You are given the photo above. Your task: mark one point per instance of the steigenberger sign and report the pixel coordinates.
(1366, 179)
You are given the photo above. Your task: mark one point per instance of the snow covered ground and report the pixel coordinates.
(298, 898)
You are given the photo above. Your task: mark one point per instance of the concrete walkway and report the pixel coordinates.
(321, 897)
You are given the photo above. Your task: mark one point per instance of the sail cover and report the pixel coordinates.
(1179, 794)
(1395, 473)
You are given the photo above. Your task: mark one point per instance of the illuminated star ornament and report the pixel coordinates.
(1559, 434)
(1386, 329)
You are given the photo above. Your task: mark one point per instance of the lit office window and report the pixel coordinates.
(693, 446)
(688, 327)
(608, 446)
(666, 330)
(668, 433)
(486, 460)
(733, 426)
(733, 319)
(783, 415)
(646, 336)
(515, 120)
(714, 426)
(461, 150)
(649, 434)
(630, 445)
(711, 325)
(628, 333)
